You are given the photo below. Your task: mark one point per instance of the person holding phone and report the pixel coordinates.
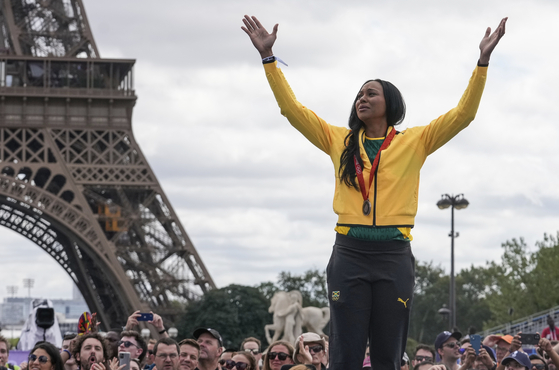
(371, 269)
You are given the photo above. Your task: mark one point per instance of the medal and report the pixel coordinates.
(367, 207)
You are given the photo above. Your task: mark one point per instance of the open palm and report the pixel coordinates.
(261, 39)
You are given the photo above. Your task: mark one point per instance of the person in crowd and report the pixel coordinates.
(5, 354)
(188, 354)
(425, 365)
(310, 349)
(45, 356)
(371, 269)
(71, 363)
(516, 361)
(486, 359)
(226, 355)
(501, 343)
(113, 337)
(242, 361)
(131, 341)
(254, 346)
(423, 353)
(157, 322)
(91, 352)
(211, 347)
(278, 354)
(405, 362)
(447, 346)
(150, 358)
(545, 348)
(538, 362)
(166, 352)
(135, 364)
(550, 332)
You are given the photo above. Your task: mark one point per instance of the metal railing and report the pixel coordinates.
(529, 324)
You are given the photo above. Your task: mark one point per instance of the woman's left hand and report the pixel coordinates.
(490, 40)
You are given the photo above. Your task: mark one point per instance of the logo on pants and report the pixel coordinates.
(335, 295)
(404, 302)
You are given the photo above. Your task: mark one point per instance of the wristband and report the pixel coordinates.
(482, 65)
(162, 331)
(272, 59)
(68, 352)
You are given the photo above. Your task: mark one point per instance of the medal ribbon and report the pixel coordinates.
(359, 170)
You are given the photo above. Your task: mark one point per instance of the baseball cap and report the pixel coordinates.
(214, 333)
(519, 357)
(444, 336)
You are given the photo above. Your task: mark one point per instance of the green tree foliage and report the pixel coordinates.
(311, 284)
(524, 282)
(236, 311)
(432, 292)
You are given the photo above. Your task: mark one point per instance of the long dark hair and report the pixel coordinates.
(395, 113)
(52, 351)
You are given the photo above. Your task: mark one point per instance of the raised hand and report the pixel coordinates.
(261, 39)
(490, 40)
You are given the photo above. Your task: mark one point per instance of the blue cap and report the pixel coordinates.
(519, 357)
(444, 336)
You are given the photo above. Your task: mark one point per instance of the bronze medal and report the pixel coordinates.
(367, 207)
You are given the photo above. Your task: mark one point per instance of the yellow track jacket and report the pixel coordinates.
(394, 191)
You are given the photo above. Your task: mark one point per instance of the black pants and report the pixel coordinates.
(371, 289)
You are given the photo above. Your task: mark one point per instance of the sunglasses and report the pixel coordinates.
(423, 358)
(316, 349)
(452, 344)
(42, 359)
(280, 355)
(538, 366)
(126, 343)
(254, 351)
(230, 364)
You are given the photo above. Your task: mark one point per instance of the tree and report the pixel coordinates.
(235, 311)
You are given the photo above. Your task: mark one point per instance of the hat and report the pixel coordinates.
(307, 338)
(490, 352)
(214, 333)
(519, 357)
(493, 339)
(444, 336)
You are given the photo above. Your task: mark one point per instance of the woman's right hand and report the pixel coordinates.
(261, 39)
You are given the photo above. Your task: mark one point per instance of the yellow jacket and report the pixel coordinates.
(394, 192)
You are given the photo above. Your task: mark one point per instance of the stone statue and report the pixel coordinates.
(290, 317)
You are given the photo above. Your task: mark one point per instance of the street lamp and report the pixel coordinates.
(458, 202)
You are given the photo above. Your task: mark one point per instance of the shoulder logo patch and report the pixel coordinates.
(404, 302)
(335, 295)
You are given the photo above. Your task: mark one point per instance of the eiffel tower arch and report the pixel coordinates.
(72, 177)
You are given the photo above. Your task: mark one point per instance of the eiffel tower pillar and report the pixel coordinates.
(72, 177)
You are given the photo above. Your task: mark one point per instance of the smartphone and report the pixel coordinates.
(475, 341)
(145, 317)
(124, 359)
(530, 338)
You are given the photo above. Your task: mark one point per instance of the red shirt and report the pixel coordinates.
(551, 335)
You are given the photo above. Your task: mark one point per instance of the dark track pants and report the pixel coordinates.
(370, 287)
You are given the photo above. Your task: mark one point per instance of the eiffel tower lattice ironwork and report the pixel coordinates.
(72, 177)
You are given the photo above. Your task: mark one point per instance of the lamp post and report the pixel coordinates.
(458, 202)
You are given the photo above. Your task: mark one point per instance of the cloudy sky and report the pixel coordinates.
(255, 196)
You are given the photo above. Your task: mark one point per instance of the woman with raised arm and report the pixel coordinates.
(371, 269)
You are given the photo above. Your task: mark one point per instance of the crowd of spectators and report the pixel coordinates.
(205, 351)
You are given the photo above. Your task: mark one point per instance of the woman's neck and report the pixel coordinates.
(377, 130)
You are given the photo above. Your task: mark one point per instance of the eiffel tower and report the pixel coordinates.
(72, 177)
